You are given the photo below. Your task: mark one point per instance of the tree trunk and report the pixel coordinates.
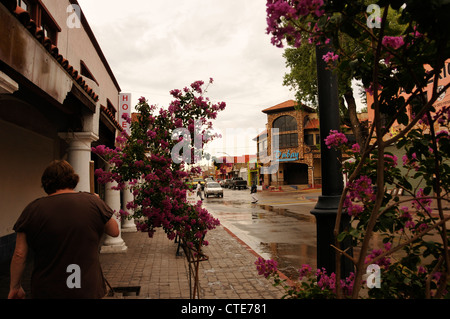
(355, 123)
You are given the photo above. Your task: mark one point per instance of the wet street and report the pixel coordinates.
(278, 227)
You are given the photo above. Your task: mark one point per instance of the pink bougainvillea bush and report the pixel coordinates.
(399, 61)
(149, 163)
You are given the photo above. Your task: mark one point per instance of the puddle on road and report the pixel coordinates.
(287, 212)
(276, 233)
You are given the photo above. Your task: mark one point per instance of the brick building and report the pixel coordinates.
(297, 155)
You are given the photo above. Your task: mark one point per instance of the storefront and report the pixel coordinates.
(292, 152)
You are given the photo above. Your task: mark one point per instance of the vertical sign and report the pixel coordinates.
(125, 108)
(191, 197)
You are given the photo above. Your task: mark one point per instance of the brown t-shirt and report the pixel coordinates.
(64, 230)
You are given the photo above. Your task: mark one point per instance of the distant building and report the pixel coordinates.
(244, 166)
(442, 101)
(297, 155)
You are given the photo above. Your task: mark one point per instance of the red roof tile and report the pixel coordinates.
(282, 106)
(111, 116)
(312, 124)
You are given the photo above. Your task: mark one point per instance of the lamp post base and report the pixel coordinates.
(326, 213)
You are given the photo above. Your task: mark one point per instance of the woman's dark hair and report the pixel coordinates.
(59, 175)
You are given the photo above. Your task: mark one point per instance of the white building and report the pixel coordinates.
(58, 98)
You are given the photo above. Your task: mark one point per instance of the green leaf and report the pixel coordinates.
(427, 190)
(341, 237)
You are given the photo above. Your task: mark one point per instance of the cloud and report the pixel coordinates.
(155, 46)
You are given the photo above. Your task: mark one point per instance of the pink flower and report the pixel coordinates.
(151, 134)
(266, 268)
(383, 262)
(197, 86)
(423, 203)
(176, 93)
(355, 209)
(335, 139)
(390, 159)
(126, 117)
(330, 57)
(370, 89)
(305, 271)
(142, 99)
(356, 148)
(393, 42)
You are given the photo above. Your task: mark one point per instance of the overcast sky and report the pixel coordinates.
(154, 46)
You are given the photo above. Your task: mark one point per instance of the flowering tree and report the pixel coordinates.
(151, 162)
(396, 70)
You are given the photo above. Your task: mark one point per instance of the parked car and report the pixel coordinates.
(238, 182)
(227, 183)
(213, 189)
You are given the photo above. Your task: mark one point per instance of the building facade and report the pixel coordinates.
(290, 146)
(58, 98)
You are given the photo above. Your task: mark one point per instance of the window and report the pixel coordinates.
(48, 24)
(312, 139)
(309, 139)
(41, 16)
(288, 140)
(285, 123)
(86, 72)
(111, 107)
(23, 4)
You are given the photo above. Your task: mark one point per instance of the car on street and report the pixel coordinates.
(196, 181)
(238, 183)
(213, 189)
(227, 183)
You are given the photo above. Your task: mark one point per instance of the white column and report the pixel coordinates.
(128, 225)
(79, 156)
(113, 244)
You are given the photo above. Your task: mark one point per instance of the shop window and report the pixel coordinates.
(285, 123)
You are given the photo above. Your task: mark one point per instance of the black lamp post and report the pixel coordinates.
(332, 179)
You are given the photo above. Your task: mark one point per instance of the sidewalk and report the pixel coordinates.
(152, 265)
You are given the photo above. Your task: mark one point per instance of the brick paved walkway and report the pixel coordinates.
(152, 264)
